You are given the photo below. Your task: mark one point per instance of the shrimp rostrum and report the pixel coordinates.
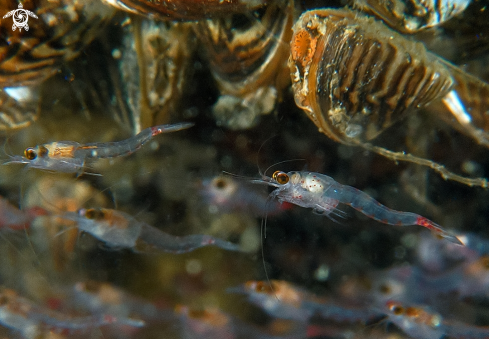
(70, 156)
(323, 194)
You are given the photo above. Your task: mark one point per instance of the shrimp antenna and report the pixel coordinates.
(258, 154)
(262, 175)
(263, 234)
(236, 175)
(5, 147)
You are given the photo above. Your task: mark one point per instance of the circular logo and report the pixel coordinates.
(20, 17)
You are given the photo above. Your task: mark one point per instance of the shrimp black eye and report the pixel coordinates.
(93, 213)
(385, 289)
(397, 310)
(30, 153)
(220, 183)
(280, 177)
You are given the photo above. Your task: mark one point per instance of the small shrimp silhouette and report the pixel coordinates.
(12, 218)
(120, 230)
(420, 322)
(417, 322)
(207, 323)
(31, 320)
(70, 156)
(322, 193)
(283, 300)
(231, 195)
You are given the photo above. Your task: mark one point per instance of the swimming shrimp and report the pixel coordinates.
(208, 323)
(420, 322)
(14, 219)
(283, 300)
(20, 314)
(323, 194)
(70, 156)
(229, 195)
(415, 321)
(120, 230)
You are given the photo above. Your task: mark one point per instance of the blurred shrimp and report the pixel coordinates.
(32, 320)
(102, 297)
(14, 219)
(212, 323)
(58, 195)
(420, 322)
(209, 323)
(417, 322)
(120, 230)
(282, 300)
(229, 195)
(70, 156)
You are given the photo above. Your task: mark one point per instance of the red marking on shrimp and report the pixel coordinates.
(422, 221)
(286, 206)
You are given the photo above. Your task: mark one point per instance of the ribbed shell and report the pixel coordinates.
(186, 10)
(153, 68)
(248, 59)
(354, 77)
(410, 16)
(18, 107)
(249, 55)
(62, 29)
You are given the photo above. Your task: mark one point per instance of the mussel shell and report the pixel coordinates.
(153, 68)
(472, 95)
(186, 10)
(410, 16)
(62, 29)
(19, 106)
(355, 77)
(248, 59)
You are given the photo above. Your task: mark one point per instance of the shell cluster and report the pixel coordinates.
(208, 252)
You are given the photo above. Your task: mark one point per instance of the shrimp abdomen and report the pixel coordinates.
(364, 203)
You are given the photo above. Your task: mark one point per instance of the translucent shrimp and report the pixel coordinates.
(101, 297)
(120, 230)
(70, 156)
(322, 193)
(417, 322)
(283, 300)
(212, 323)
(420, 322)
(208, 323)
(21, 314)
(14, 219)
(230, 195)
